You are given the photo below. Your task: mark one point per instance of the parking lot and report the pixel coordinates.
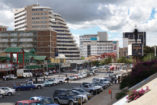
(48, 91)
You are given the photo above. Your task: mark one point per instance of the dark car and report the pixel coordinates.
(64, 96)
(43, 100)
(24, 87)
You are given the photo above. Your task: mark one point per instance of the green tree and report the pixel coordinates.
(106, 61)
(95, 63)
(82, 58)
(124, 60)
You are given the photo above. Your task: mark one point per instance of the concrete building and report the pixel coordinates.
(97, 44)
(37, 17)
(129, 38)
(44, 42)
(123, 52)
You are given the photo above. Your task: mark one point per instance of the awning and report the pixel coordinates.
(39, 58)
(33, 67)
(13, 49)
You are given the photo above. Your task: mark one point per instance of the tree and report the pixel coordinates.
(106, 61)
(82, 58)
(124, 60)
(95, 63)
(148, 50)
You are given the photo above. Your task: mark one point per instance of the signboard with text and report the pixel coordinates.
(137, 49)
(6, 67)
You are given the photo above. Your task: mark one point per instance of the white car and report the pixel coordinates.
(54, 80)
(60, 79)
(2, 93)
(84, 96)
(8, 91)
(72, 77)
(10, 76)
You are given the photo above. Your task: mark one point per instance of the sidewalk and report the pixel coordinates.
(104, 98)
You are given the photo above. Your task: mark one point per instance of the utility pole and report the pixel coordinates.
(155, 51)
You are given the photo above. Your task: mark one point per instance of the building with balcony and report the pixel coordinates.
(44, 42)
(37, 17)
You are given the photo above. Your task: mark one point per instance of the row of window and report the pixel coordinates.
(39, 13)
(17, 34)
(39, 18)
(42, 26)
(38, 22)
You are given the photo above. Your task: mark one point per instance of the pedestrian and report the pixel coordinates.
(67, 79)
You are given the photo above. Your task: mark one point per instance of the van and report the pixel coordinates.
(24, 73)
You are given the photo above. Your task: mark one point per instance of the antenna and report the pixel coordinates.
(37, 1)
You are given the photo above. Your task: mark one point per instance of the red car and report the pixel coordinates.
(27, 102)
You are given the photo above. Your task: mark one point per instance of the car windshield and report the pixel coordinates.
(35, 103)
(80, 90)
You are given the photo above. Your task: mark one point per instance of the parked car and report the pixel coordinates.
(100, 79)
(24, 87)
(91, 88)
(52, 71)
(103, 85)
(60, 79)
(8, 91)
(54, 80)
(28, 102)
(46, 73)
(72, 77)
(48, 83)
(64, 96)
(9, 77)
(80, 76)
(82, 91)
(43, 100)
(37, 85)
(84, 96)
(2, 93)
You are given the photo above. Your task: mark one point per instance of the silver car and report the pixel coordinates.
(8, 91)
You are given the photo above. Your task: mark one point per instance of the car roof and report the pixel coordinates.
(28, 101)
(39, 97)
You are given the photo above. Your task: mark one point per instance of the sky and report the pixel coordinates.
(91, 16)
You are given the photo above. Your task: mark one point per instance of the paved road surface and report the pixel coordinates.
(101, 99)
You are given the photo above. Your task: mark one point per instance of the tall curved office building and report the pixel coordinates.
(37, 17)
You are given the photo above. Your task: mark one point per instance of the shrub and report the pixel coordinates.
(140, 72)
(121, 94)
(133, 95)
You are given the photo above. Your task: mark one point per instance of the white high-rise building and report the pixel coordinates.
(37, 17)
(97, 44)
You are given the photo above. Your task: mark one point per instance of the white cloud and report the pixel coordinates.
(118, 17)
(77, 39)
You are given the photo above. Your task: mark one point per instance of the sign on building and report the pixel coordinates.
(135, 49)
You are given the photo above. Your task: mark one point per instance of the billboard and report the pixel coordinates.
(135, 49)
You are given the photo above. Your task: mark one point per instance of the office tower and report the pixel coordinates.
(37, 17)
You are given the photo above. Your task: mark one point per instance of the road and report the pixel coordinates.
(48, 91)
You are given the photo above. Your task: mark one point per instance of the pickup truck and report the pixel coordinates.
(24, 87)
(37, 85)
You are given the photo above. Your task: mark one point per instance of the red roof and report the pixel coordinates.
(27, 101)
